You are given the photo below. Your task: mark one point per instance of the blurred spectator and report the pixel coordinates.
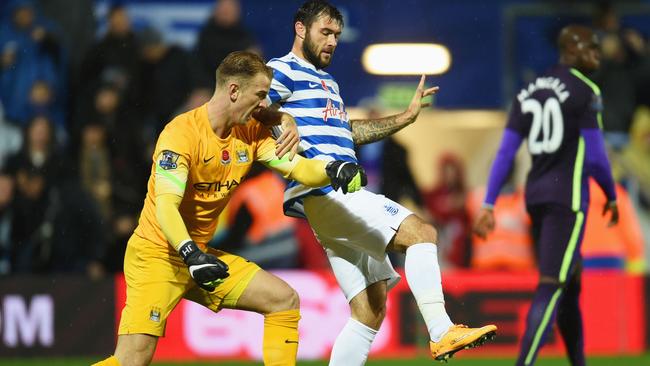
(108, 108)
(641, 51)
(168, 77)
(619, 75)
(31, 229)
(122, 227)
(30, 53)
(257, 228)
(10, 139)
(115, 185)
(111, 77)
(95, 166)
(510, 245)
(114, 166)
(79, 234)
(43, 101)
(6, 197)
(221, 34)
(39, 148)
(35, 170)
(619, 246)
(397, 181)
(446, 205)
(55, 225)
(129, 159)
(635, 159)
(113, 59)
(77, 23)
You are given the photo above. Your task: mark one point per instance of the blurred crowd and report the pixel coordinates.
(79, 115)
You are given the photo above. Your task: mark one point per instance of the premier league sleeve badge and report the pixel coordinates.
(168, 160)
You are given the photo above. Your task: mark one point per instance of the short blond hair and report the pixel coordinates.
(242, 65)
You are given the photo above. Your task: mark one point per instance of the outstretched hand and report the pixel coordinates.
(416, 104)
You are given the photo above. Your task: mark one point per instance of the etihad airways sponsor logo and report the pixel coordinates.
(217, 186)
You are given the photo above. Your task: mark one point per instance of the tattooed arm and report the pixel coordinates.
(365, 131)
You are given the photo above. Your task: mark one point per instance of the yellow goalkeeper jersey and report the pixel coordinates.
(191, 161)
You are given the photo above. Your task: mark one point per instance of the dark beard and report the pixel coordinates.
(308, 50)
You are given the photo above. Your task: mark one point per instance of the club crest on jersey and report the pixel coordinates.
(154, 315)
(225, 157)
(390, 209)
(242, 156)
(168, 160)
(331, 110)
(322, 83)
(597, 103)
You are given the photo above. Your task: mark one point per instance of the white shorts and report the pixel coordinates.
(355, 230)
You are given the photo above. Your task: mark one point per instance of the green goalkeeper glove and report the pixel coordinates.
(207, 270)
(350, 177)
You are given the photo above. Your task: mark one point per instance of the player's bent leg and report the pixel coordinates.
(540, 319)
(413, 230)
(267, 293)
(353, 343)
(417, 238)
(369, 306)
(135, 349)
(279, 303)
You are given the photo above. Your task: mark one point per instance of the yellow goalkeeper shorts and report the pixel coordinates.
(156, 280)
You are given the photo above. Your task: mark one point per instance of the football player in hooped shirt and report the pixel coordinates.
(358, 229)
(200, 158)
(560, 116)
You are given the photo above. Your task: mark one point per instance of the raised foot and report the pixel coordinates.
(460, 337)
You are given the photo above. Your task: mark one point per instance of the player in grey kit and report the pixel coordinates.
(560, 116)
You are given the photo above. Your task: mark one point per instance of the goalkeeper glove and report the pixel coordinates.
(350, 177)
(207, 270)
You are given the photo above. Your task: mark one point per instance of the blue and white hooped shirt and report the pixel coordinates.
(312, 97)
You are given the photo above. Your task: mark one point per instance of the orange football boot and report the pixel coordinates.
(460, 337)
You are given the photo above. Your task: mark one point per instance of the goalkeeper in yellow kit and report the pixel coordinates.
(200, 158)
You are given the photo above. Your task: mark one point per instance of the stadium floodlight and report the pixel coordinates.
(406, 59)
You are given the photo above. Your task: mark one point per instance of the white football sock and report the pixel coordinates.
(352, 345)
(424, 279)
